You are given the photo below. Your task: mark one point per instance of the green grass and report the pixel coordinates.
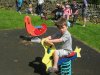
(90, 34)
(10, 19)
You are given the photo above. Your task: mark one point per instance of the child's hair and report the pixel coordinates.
(67, 6)
(61, 22)
(74, 0)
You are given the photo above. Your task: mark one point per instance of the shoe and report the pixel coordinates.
(36, 40)
(51, 69)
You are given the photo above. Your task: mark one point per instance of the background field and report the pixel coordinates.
(90, 34)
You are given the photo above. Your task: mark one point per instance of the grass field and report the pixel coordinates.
(90, 34)
(10, 19)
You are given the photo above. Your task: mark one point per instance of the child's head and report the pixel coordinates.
(61, 24)
(67, 6)
(67, 2)
(74, 1)
(58, 5)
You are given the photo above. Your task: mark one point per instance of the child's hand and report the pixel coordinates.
(48, 42)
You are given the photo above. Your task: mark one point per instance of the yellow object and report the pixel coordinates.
(77, 50)
(47, 56)
(46, 59)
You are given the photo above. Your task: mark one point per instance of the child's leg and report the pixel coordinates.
(85, 20)
(75, 18)
(67, 17)
(57, 54)
(56, 58)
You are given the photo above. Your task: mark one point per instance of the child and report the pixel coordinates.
(58, 11)
(44, 15)
(67, 12)
(19, 4)
(39, 7)
(63, 40)
(84, 11)
(75, 11)
(29, 10)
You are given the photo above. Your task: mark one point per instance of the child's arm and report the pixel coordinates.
(48, 42)
(76, 12)
(52, 36)
(54, 40)
(49, 37)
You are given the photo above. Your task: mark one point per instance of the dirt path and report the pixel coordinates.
(18, 57)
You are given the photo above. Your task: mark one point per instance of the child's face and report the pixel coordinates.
(74, 2)
(62, 29)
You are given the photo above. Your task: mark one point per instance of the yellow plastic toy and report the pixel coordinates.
(49, 50)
